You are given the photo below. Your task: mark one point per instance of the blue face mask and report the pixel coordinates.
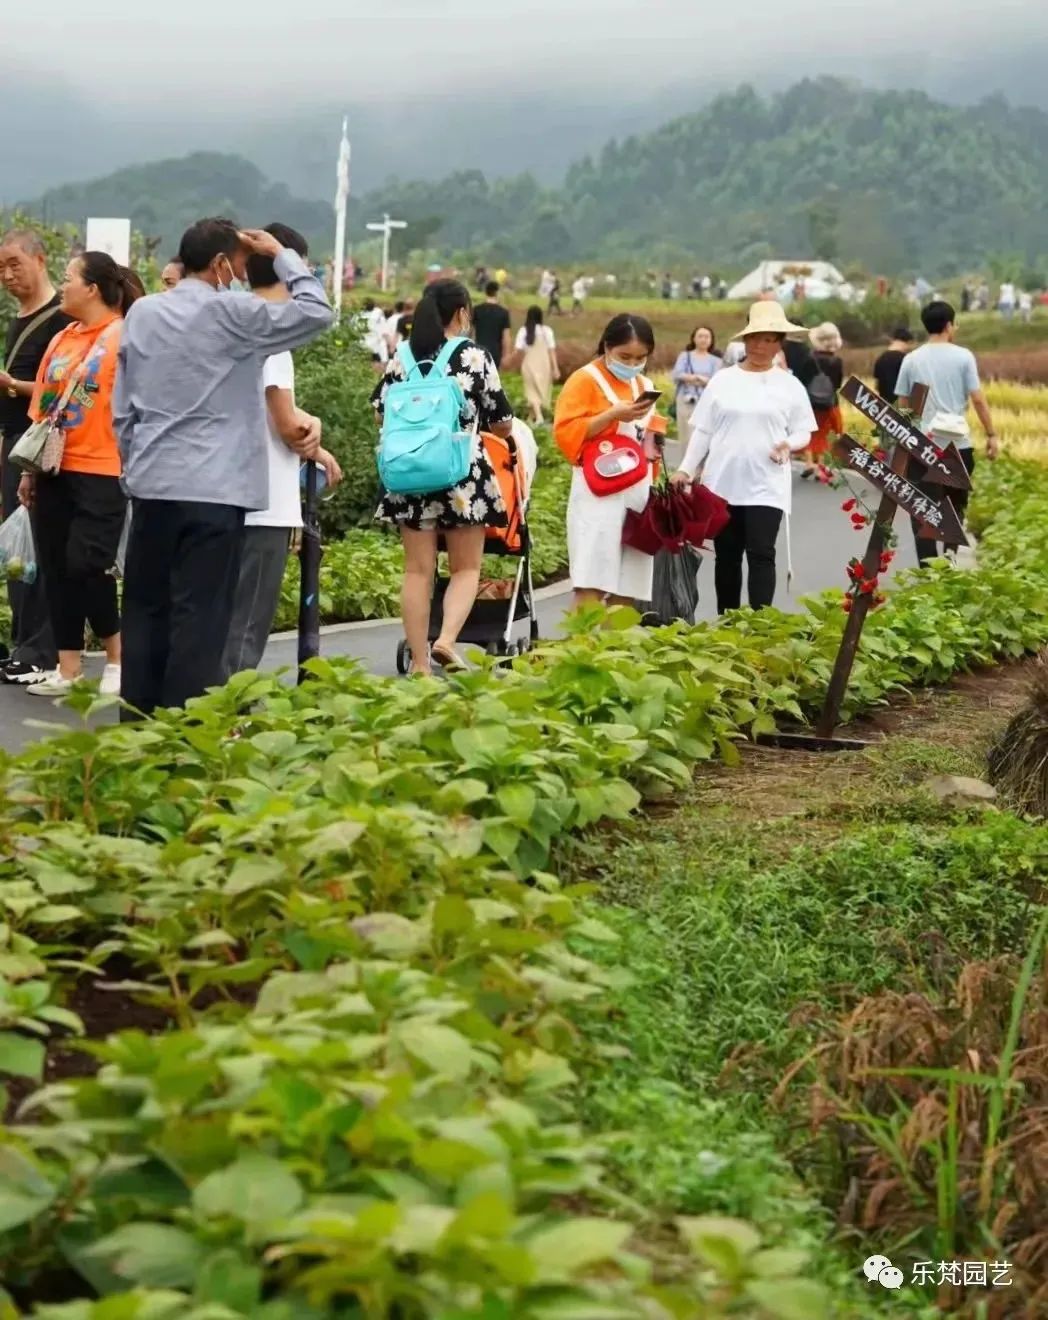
(235, 285)
(622, 372)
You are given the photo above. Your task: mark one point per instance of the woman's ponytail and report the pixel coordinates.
(434, 313)
(131, 288)
(427, 332)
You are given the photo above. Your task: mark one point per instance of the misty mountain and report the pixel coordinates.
(894, 180)
(166, 196)
(397, 136)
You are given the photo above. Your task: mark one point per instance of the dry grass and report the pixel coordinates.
(939, 1111)
(1019, 758)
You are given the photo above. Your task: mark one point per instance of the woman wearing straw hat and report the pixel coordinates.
(750, 420)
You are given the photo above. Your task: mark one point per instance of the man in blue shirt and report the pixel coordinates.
(189, 414)
(952, 377)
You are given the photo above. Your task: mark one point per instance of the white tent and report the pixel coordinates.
(821, 280)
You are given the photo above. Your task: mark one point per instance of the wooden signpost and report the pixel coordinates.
(937, 518)
(944, 466)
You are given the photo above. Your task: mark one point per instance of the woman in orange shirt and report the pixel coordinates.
(78, 513)
(601, 406)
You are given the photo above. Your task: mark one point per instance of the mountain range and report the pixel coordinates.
(895, 181)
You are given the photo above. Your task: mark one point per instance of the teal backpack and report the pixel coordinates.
(422, 448)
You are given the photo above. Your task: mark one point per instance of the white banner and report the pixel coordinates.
(109, 235)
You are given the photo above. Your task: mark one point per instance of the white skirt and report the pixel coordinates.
(597, 559)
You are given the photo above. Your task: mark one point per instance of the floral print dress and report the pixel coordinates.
(476, 501)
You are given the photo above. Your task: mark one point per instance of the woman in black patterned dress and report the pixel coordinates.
(461, 513)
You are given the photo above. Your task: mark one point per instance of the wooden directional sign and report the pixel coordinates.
(945, 467)
(938, 520)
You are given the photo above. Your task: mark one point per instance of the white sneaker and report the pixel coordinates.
(110, 684)
(54, 685)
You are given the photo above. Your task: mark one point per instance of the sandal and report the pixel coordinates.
(445, 656)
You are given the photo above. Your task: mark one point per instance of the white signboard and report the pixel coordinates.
(112, 236)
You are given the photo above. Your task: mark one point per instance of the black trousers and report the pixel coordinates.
(77, 521)
(928, 547)
(183, 562)
(752, 531)
(31, 639)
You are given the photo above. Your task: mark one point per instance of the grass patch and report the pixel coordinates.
(770, 900)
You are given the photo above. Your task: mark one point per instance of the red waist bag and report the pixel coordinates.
(612, 463)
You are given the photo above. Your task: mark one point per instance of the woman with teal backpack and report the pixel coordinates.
(440, 332)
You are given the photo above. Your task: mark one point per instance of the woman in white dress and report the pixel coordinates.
(602, 410)
(539, 367)
(749, 423)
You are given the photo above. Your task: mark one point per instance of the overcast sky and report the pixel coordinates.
(230, 55)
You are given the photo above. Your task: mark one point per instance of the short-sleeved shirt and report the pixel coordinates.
(14, 413)
(951, 374)
(490, 320)
(543, 334)
(886, 372)
(87, 419)
(285, 501)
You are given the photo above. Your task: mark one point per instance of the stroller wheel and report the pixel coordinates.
(524, 646)
(403, 657)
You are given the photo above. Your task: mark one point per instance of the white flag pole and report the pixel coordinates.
(341, 198)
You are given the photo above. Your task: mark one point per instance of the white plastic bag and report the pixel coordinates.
(17, 552)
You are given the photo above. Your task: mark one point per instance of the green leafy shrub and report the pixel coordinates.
(339, 896)
(334, 380)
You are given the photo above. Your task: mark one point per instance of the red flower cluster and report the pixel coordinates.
(886, 559)
(858, 521)
(849, 505)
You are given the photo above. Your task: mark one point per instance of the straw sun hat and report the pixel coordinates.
(768, 318)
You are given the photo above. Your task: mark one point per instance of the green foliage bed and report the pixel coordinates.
(353, 993)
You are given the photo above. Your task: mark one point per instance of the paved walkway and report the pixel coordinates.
(823, 542)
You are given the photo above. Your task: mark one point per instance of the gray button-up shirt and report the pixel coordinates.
(188, 404)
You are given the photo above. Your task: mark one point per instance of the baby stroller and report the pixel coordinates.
(492, 618)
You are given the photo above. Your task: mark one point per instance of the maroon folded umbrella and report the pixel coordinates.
(675, 517)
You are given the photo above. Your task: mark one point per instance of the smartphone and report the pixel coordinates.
(649, 396)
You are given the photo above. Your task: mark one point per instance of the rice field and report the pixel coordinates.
(1020, 415)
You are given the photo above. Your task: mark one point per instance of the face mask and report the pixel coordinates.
(622, 372)
(234, 285)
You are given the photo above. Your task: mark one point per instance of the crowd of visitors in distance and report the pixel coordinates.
(181, 447)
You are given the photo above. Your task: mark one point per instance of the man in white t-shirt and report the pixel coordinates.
(579, 289)
(294, 436)
(952, 376)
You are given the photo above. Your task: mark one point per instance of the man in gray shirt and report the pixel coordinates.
(189, 414)
(952, 377)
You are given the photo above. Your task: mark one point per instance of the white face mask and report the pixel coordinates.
(235, 285)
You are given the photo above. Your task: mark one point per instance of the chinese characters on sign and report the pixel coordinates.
(945, 467)
(936, 519)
